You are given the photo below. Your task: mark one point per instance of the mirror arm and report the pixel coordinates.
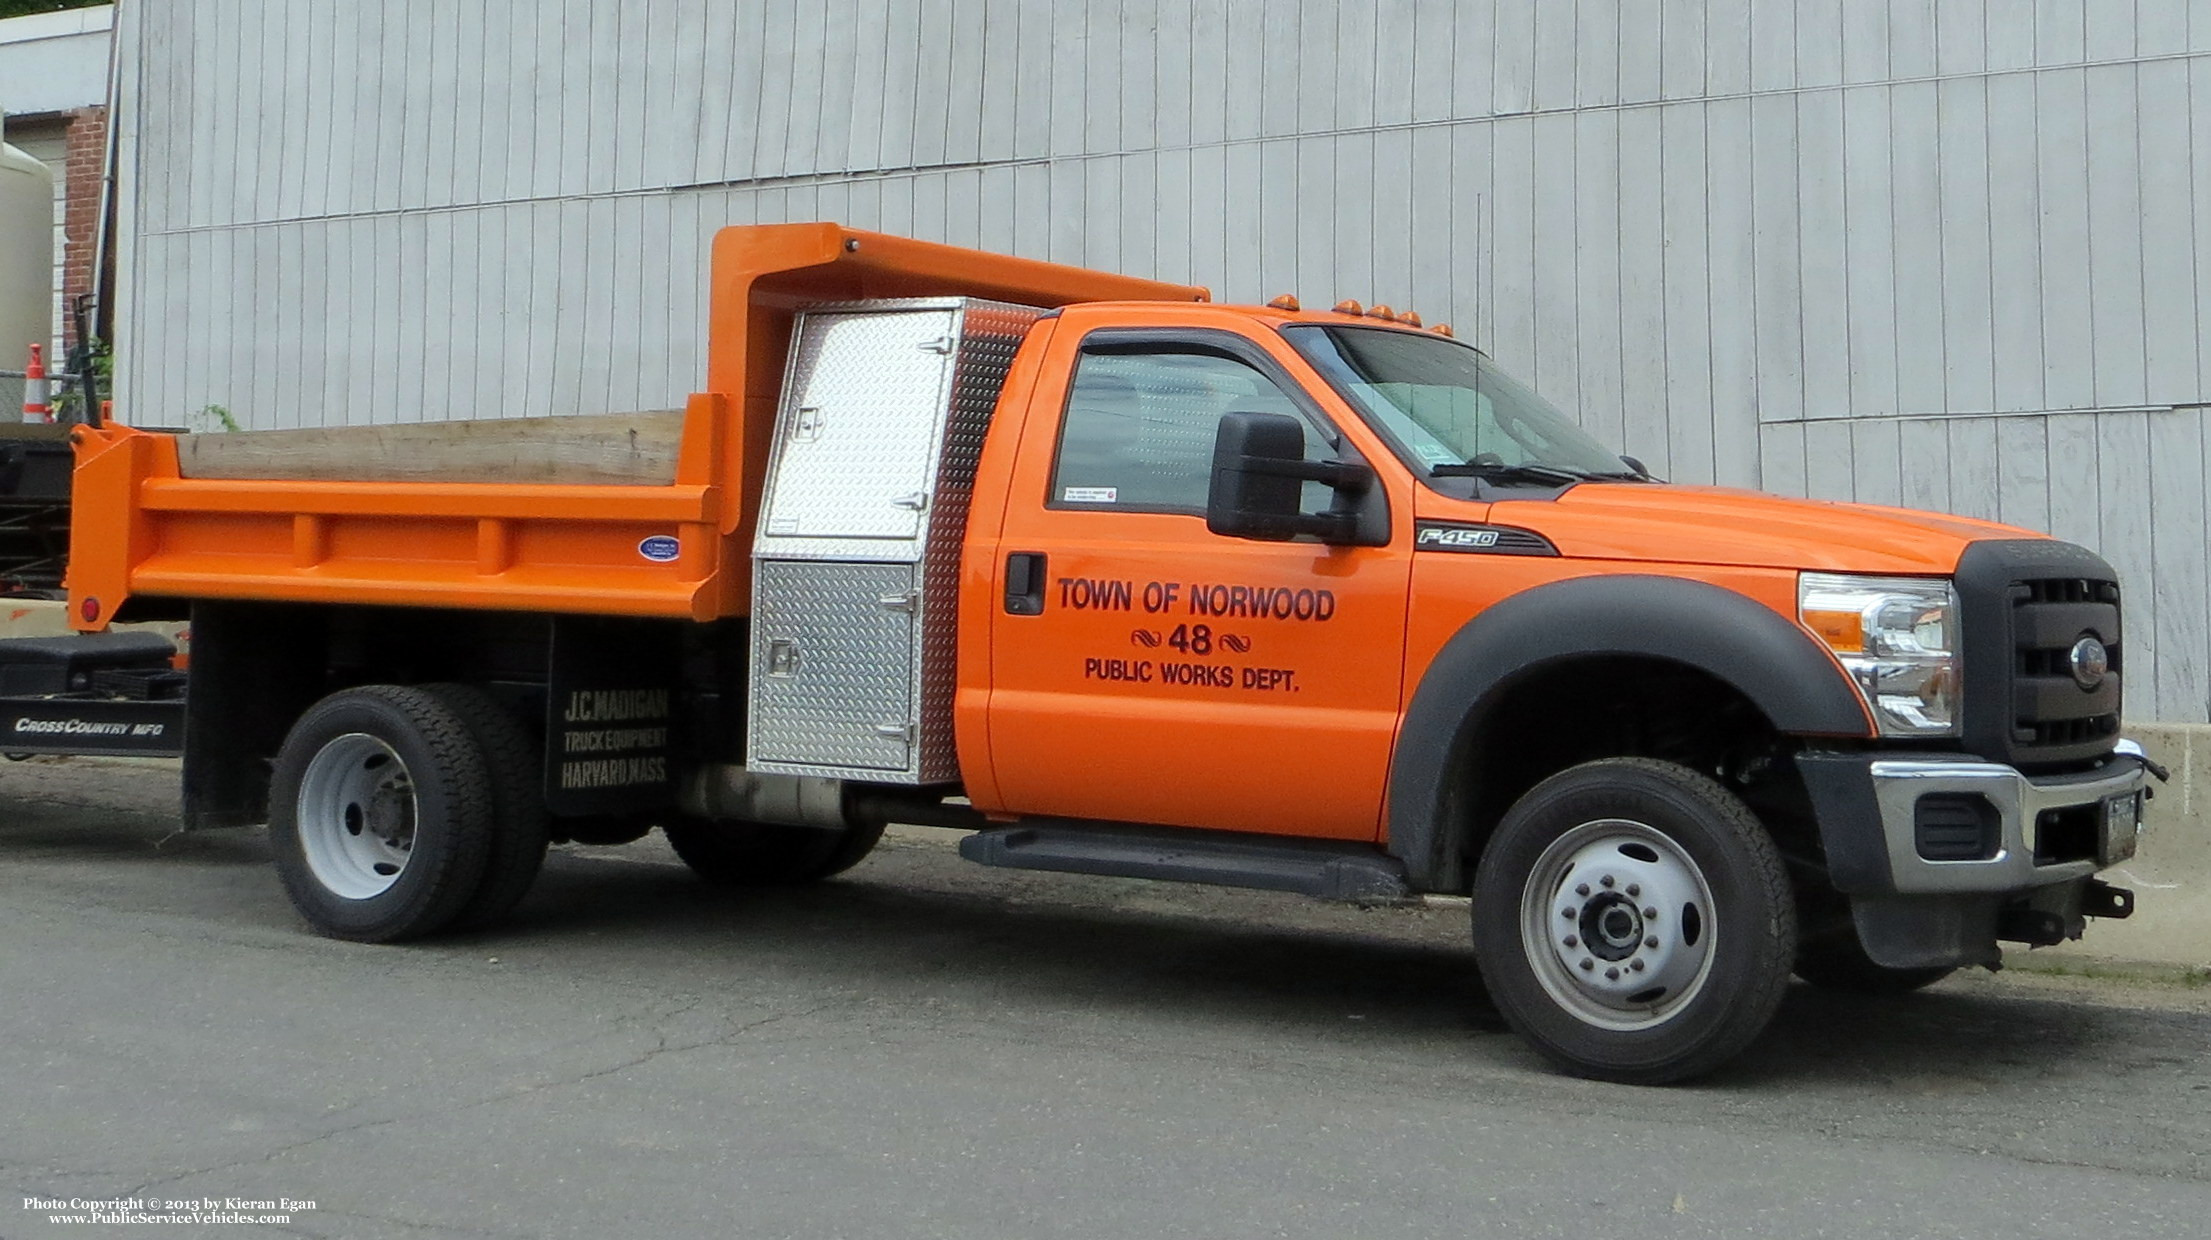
(1350, 477)
(1337, 529)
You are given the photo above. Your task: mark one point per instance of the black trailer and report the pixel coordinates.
(99, 694)
(110, 694)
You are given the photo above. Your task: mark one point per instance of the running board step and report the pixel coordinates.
(1330, 870)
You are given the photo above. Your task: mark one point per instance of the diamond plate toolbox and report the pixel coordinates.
(856, 565)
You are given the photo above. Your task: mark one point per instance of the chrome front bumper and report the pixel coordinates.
(1887, 788)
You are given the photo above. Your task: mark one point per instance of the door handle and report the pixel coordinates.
(1025, 583)
(782, 657)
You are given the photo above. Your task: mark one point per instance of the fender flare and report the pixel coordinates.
(1737, 640)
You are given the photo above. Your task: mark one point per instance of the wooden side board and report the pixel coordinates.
(608, 449)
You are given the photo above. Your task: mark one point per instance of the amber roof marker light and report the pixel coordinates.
(1287, 301)
(1348, 306)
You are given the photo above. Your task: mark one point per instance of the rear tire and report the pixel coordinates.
(1839, 963)
(380, 814)
(1633, 921)
(759, 854)
(514, 762)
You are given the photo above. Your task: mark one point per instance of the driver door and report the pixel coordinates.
(1169, 675)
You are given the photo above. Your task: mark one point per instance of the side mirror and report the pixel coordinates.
(1259, 469)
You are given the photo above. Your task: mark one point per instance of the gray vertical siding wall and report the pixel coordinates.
(1943, 253)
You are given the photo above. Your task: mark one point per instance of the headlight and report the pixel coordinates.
(1898, 638)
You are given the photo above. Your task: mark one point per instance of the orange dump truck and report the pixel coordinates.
(1123, 582)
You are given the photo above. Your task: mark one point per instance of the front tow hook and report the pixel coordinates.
(2101, 899)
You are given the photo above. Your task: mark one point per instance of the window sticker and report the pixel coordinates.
(1090, 495)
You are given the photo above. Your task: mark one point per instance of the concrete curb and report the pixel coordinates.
(38, 617)
(32, 617)
(2171, 875)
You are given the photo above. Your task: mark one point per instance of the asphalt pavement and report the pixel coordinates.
(929, 1048)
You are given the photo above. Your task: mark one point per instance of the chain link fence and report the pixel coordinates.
(58, 390)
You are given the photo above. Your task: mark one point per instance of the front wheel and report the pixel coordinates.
(1633, 921)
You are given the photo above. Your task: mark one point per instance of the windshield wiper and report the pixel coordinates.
(1532, 471)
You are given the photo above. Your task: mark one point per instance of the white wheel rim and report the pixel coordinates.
(356, 816)
(1618, 925)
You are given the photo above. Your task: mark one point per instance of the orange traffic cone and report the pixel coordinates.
(35, 408)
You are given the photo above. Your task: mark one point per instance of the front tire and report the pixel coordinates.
(759, 854)
(380, 814)
(1633, 921)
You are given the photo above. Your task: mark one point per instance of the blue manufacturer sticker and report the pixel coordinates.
(660, 548)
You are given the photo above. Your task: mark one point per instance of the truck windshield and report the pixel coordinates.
(1452, 410)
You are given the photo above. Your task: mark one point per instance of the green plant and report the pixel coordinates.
(214, 418)
(69, 397)
(17, 8)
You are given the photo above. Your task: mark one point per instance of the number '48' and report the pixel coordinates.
(1192, 638)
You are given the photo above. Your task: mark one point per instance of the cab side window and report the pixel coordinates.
(1139, 427)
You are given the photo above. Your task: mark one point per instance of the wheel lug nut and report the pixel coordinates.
(1651, 941)
(1650, 913)
(1612, 975)
(1636, 965)
(1635, 889)
(1606, 880)
(1587, 964)
(1573, 940)
(1582, 890)
(1567, 913)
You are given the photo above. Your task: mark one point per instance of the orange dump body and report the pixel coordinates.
(143, 528)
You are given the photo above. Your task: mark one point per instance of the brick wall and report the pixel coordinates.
(81, 216)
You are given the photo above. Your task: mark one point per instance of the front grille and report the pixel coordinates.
(2039, 732)
(2026, 604)
(2069, 590)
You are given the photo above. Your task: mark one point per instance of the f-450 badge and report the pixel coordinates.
(1479, 539)
(1456, 537)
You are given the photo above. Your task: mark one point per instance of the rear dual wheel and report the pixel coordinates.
(1633, 921)
(521, 830)
(397, 811)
